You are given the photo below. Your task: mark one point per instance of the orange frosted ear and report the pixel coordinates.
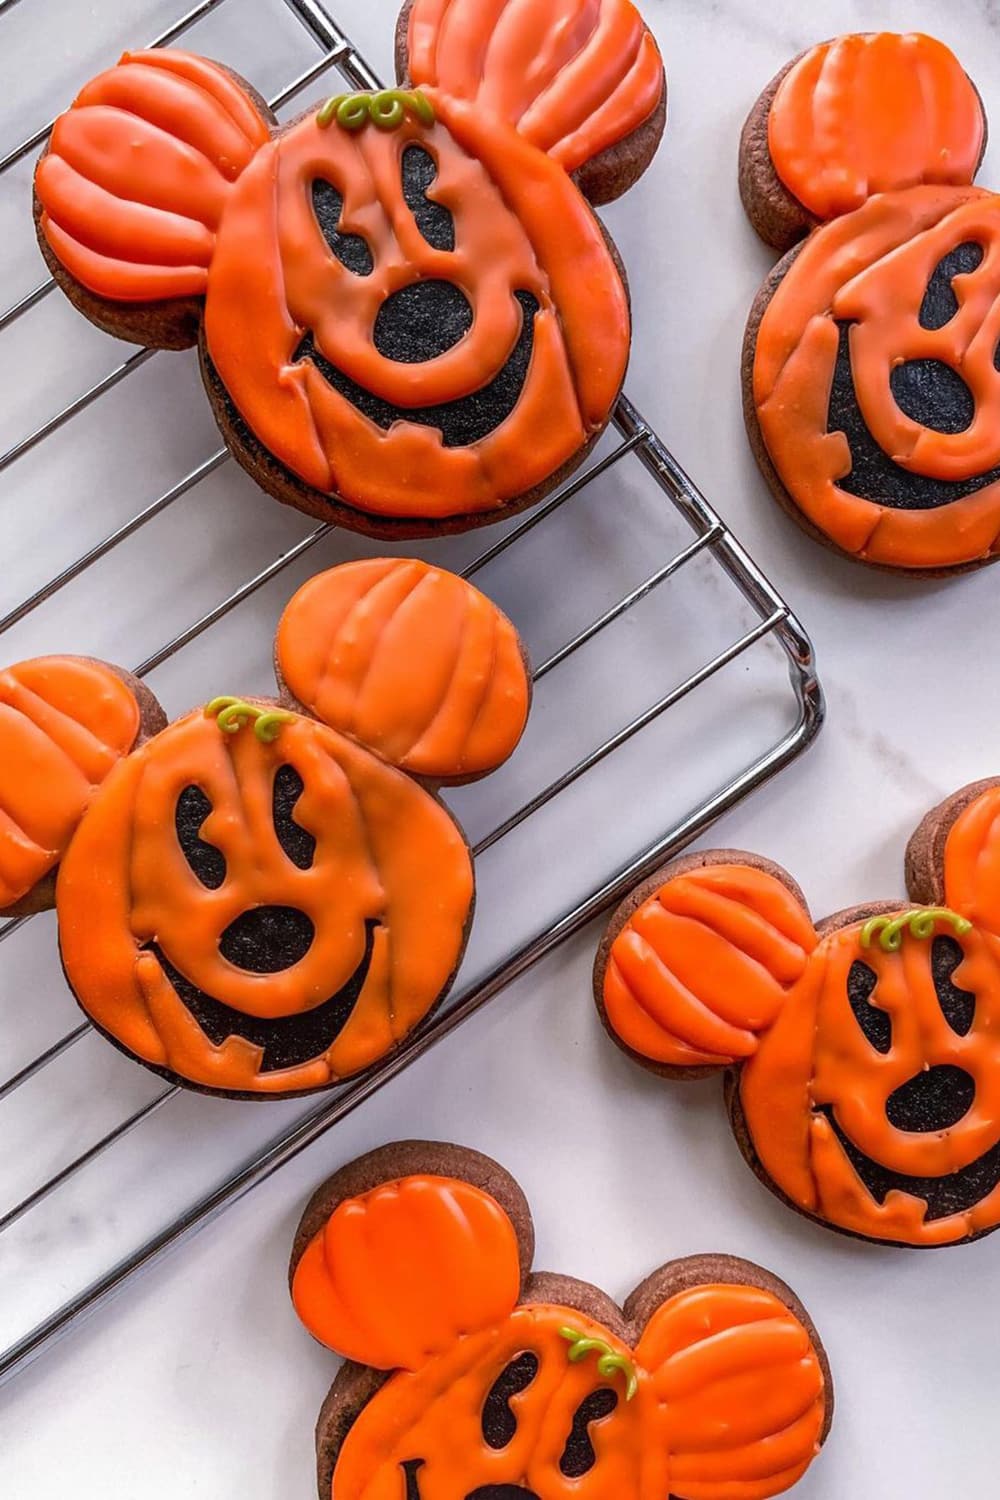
(65, 722)
(743, 1387)
(872, 113)
(690, 974)
(972, 860)
(574, 77)
(397, 1274)
(410, 661)
(137, 171)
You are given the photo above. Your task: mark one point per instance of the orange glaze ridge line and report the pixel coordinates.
(574, 76)
(400, 1274)
(64, 721)
(702, 967)
(872, 269)
(137, 171)
(346, 648)
(871, 113)
(386, 853)
(742, 1388)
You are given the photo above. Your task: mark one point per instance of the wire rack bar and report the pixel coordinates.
(774, 620)
(33, 141)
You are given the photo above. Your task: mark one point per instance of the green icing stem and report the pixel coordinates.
(609, 1363)
(232, 713)
(921, 923)
(386, 109)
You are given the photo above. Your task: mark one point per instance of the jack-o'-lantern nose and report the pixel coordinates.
(267, 939)
(421, 321)
(935, 1099)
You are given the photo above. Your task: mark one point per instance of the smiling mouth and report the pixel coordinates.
(873, 474)
(411, 1469)
(284, 1041)
(460, 423)
(956, 1193)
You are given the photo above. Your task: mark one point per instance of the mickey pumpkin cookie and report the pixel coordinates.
(472, 1378)
(861, 1055)
(409, 318)
(65, 722)
(871, 360)
(267, 896)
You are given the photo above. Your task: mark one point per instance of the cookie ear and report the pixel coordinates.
(743, 1387)
(65, 722)
(696, 965)
(409, 660)
(137, 172)
(397, 1274)
(954, 857)
(871, 113)
(574, 77)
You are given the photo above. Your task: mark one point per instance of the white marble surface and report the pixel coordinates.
(198, 1382)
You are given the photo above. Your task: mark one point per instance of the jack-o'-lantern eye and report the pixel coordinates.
(874, 1023)
(498, 1421)
(297, 842)
(957, 1006)
(207, 862)
(940, 303)
(350, 249)
(578, 1456)
(434, 221)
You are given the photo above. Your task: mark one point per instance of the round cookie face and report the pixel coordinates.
(861, 1059)
(876, 384)
(415, 1259)
(873, 1100)
(426, 321)
(257, 915)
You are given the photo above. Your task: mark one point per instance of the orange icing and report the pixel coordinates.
(137, 171)
(573, 76)
(164, 181)
(802, 1054)
(385, 852)
(742, 1388)
(867, 114)
(423, 1274)
(520, 225)
(398, 1275)
(705, 964)
(872, 269)
(64, 722)
(346, 648)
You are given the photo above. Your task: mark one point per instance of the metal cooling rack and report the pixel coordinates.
(712, 542)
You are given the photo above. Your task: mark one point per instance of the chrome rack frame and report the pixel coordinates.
(710, 536)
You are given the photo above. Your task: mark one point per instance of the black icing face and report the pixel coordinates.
(928, 391)
(933, 1100)
(420, 321)
(264, 939)
(499, 1428)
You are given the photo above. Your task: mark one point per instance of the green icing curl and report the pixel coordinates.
(609, 1363)
(920, 922)
(232, 713)
(386, 109)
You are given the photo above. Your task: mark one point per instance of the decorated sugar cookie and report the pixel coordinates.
(473, 1378)
(408, 315)
(266, 896)
(861, 1055)
(871, 369)
(65, 722)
